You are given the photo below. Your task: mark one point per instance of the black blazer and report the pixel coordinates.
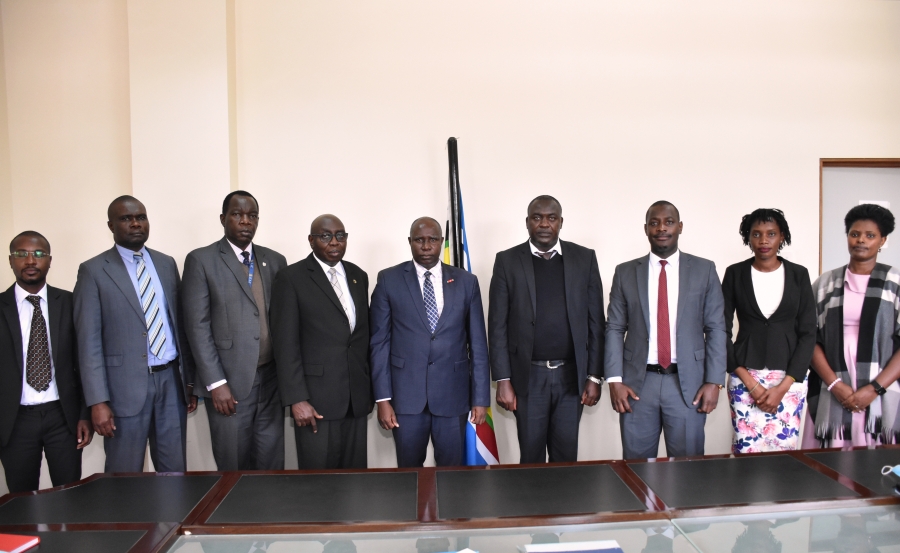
(62, 349)
(785, 341)
(317, 358)
(513, 305)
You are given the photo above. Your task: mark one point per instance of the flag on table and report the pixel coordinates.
(481, 442)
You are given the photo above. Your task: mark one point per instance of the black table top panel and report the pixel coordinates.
(116, 499)
(342, 497)
(120, 541)
(862, 466)
(532, 492)
(739, 480)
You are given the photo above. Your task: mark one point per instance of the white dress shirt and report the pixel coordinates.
(652, 300)
(237, 252)
(437, 282)
(346, 300)
(30, 396)
(554, 250)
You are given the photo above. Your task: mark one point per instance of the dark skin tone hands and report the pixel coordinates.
(591, 394)
(707, 397)
(767, 399)
(102, 418)
(85, 433)
(619, 394)
(305, 415)
(223, 401)
(192, 399)
(386, 416)
(506, 396)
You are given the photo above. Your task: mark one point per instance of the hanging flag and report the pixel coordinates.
(481, 442)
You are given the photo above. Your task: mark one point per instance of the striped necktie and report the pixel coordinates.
(156, 336)
(430, 302)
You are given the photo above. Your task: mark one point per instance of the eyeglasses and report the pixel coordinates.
(326, 237)
(37, 254)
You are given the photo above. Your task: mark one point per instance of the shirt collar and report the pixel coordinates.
(671, 261)
(238, 251)
(128, 255)
(21, 294)
(326, 267)
(556, 248)
(436, 271)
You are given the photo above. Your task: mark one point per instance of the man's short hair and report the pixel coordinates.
(29, 234)
(230, 195)
(120, 199)
(545, 198)
(659, 203)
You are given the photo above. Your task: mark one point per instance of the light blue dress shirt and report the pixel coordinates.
(169, 351)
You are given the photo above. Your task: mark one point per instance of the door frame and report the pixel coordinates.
(847, 162)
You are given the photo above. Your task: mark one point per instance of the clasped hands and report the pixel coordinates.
(855, 402)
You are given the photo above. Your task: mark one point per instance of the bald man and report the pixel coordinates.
(320, 327)
(428, 352)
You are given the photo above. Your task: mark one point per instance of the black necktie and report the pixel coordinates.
(246, 256)
(37, 364)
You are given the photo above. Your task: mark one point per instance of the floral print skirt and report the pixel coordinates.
(756, 430)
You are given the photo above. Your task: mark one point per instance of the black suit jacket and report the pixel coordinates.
(62, 349)
(785, 341)
(317, 358)
(513, 305)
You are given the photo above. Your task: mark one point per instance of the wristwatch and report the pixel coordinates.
(595, 380)
(879, 389)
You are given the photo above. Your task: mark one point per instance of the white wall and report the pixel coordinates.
(345, 107)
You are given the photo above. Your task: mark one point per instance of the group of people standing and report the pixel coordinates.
(130, 350)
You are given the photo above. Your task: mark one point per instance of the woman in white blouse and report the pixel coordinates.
(769, 359)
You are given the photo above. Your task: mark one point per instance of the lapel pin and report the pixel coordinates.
(449, 281)
(354, 281)
(264, 263)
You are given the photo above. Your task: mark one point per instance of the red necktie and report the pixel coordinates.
(663, 346)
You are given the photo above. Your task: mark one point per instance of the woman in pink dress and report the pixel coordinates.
(855, 364)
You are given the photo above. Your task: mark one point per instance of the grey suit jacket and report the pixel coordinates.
(221, 317)
(699, 335)
(112, 333)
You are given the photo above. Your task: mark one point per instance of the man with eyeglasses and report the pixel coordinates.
(428, 352)
(136, 367)
(42, 409)
(320, 323)
(227, 296)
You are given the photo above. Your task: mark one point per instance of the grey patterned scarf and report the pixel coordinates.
(879, 336)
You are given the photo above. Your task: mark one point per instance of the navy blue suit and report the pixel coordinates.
(429, 376)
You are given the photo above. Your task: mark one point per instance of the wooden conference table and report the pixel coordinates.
(149, 512)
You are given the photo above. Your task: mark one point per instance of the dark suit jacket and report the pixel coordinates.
(112, 332)
(785, 341)
(62, 349)
(700, 333)
(221, 317)
(513, 305)
(448, 369)
(317, 358)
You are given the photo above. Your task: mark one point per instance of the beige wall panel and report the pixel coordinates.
(179, 119)
(721, 108)
(67, 96)
(6, 207)
(66, 69)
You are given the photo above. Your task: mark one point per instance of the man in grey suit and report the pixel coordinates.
(665, 343)
(227, 293)
(136, 367)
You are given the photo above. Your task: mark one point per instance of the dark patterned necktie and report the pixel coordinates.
(430, 302)
(246, 256)
(663, 341)
(37, 364)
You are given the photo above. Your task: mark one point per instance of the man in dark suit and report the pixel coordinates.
(428, 352)
(320, 322)
(136, 367)
(663, 380)
(41, 406)
(226, 297)
(546, 325)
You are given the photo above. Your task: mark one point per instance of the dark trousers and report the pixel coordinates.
(40, 428)
(661, 409)
(547, 417)
(448, 435)
(337, 444)
(253, 437)
(162, 420)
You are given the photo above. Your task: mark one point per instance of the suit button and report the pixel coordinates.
(257, 313)
(256, 337)
(532, 323)
(144, 334)
(348, 347)
(144, 355)
(432, 338)
(432, 363)
(766, 324)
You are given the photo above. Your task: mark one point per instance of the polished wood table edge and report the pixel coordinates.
(157, 537)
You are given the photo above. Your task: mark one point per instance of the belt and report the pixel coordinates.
(50, 405)
(157, 368)
(672, 369)
(552, 363)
